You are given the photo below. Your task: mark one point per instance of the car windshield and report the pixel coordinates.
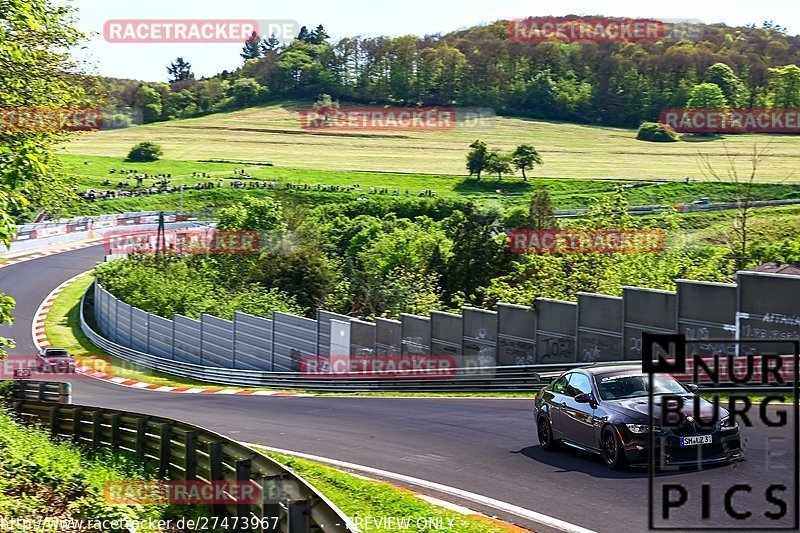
(632, 385)
(56, 353)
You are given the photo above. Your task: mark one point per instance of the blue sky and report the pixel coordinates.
(344, 18)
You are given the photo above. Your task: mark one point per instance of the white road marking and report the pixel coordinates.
(533, 516)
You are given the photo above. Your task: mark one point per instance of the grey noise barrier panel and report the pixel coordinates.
(362, 337)
(217, 341)
(769, 308)
(294, 340)
(516, 335)
(341, 332)
(388, 336)
(599, 328)
(324, 330)
(123, 323)
(252, 342)
(648, 310)
(416, 334)
(555, 331)
(707, 311)
(479, 336)
(159, 340)
(446, 336)
(140, 329)
(186, 339)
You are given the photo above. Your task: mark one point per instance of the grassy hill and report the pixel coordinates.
(273, 134)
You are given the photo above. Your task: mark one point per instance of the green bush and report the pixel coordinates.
(193, 285)
(116, 121)
(656, 132)
(145, 151)
(7, 388)
(44, 477)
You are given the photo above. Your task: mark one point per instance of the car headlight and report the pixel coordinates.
(728, 422)
(641, 428)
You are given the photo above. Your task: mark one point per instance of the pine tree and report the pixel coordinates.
(251, 48)
(271, 44)
(303, 35)
(180, 70)
(319, 35)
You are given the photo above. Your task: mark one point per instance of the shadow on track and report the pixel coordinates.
(574, 460)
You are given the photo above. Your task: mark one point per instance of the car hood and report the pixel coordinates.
(637, 409)
(58, 360)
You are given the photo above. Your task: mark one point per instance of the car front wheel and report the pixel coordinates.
(545, 433)
(613, 453)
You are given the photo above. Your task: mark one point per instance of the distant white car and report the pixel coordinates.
(55, 360)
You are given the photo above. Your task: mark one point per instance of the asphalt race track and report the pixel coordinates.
(485, 446)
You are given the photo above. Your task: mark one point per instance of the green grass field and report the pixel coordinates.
(273, 134)
(567, 193)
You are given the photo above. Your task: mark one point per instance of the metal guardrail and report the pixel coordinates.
(43, 391)
(188, 452)
(483, 379)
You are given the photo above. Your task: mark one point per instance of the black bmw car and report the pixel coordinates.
(604, 409)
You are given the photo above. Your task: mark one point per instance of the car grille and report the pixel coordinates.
(693, 428)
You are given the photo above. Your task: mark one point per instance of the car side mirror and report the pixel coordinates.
(692, 387)
(583, 398)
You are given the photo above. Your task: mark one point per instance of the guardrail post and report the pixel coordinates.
(299, 521)
(215, 455)
(270, 502)
(190, 466)
(164, 449)
(19, 389)
(97, 429)
(141, 436)
(115, 436)
(55, 419)
(77, 429)
(42, 391)
(243, 468)
(65, 393)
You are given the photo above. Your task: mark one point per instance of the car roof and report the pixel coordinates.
(612, 368)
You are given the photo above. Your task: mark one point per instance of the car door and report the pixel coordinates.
(578, 419)
(555, 399)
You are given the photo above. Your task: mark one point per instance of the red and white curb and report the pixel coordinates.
(45, 253)
(40, 341)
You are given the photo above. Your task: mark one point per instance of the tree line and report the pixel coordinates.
(613, 83)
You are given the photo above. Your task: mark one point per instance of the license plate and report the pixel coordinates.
(693, 441)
